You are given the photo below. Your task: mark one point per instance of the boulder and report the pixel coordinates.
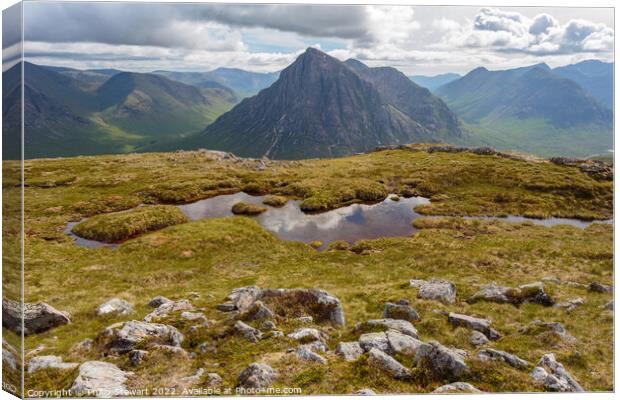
(478, 324)
(115, 306)
(378, 359)
(478, 338)
(193, 316)
(38, 317)
(350, 351)
(9, 355)
(510, 359)
(457, 387)
(570, 305)
(269, 325)
(213, 379)
(306, 319)
(158, 301)
(249, 333)
(365, 392)
(123, 337)
(194, 378)
(305, 353)
(600, 288)
(257, 312)
(226, 307)
(399, 325)
(556, 328)
(530, 293)
(402, 344)
(137, 356)
(166, 308)
(400, 311)
(374, 340)
(443, 362)
(317, 345)
(552, 375)
(306, 335)
(44, 362)
(438, 290)
(99, 379)
(243, 297)
(256, 376)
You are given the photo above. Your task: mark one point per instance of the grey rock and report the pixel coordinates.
(269, 325)
(609, 305)
(350, 351)
(539, 375)
(192, 316)
(317, 345)
(478, 338)
(306, 334)
(137, 356)
(558, 329)
(400, 311)
(213, 379)
(400, 325)
(175, 350)
(226, 307)
(256, 375)
(44, 362)
(277, 334)
(257, 312)
(438, 290)
(37, 317)
(9, 355)
(531, 293)
(99, 379)
(570, 305)
(306, 319)
(158, 301)
(557, 379)
(374, 340)
(445, 363)
(380, 360)
(600, 288)
(165, 309)
(194, 378)
(416, 283)
(402, 344)
(249, 333)
(243, 297)
(457, 387)
(85, 344)
(510, 359)
(365, 392)
(304, 353)
(478, 324)
(115, 306)
(123, 337)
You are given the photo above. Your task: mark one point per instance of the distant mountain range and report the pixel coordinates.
(532, 109)
(317, 107)
(435, 81)
(322, 107)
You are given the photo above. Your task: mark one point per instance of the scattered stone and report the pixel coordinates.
(477, 324)
(350, 351)
(44, 362)
(9, 355)
(438, 290)
(256, 376)
(382, 361)
(478, 338)
(457, 387)
(158, 301)
(166, 308)
(374, 340)
(192, 316)
(193, 295)
(226, 307)
(213, 379)
(570, 305)
(38, 317)
(553, 376)
(531, 293)
(399, 325)
(365, 392)
(400, 311)
(557, 328)
(305, 335)
(307, 354)
(137, 356)
(609, 306)
(402, 344)
(317, 345)
(600, 288)
(277, 334)
(123, 337)
(251, 334)
(269, 325)
(115, 306)
(416, 283)
(306, 319)
(445, 363)
(85, 344)
(176, 350)
(510, 359)
(99, 379)
(194, 378)
(257, 312)
(552, 279)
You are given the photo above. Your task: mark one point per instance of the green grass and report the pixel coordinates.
(213, 256)
(123, 225)
(243, 208)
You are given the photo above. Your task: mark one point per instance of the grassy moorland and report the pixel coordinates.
(203, 260)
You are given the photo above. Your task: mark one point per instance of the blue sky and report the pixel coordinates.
(416, 39)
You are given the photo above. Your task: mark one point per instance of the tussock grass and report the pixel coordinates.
(243, 208)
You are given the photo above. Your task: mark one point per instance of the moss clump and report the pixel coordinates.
(120, 226)
(338, 245)
(316, 244)
(395, 197)
(275, 201)
(243, 208)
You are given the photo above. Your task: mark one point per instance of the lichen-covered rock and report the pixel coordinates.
(256, 376)
(478, 324)
(457, 387)
(443, 362)
(53, 362)
(402, 344)
(380, 360)
(305, 353)
(553, 376)
(123, 337)
(306, 335)
(478, 338)
(213, 379)
(530, 293)
(554, 328)
(249, 333)
(99, 379)
(510, 359)
(438, 290)
(115, 306)
(257, 312)
(244, 297)
(37, 317)
(193, 316)
(350, 351)
(399, 325)
(374, 340)
(400, 311)
(167, 308)
(157, 301)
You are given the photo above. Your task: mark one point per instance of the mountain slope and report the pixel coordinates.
(594, 76)
(435, 81)
(530, 109)
(92, 78)
(319, 107)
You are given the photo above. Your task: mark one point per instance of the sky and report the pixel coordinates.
(424, 40)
